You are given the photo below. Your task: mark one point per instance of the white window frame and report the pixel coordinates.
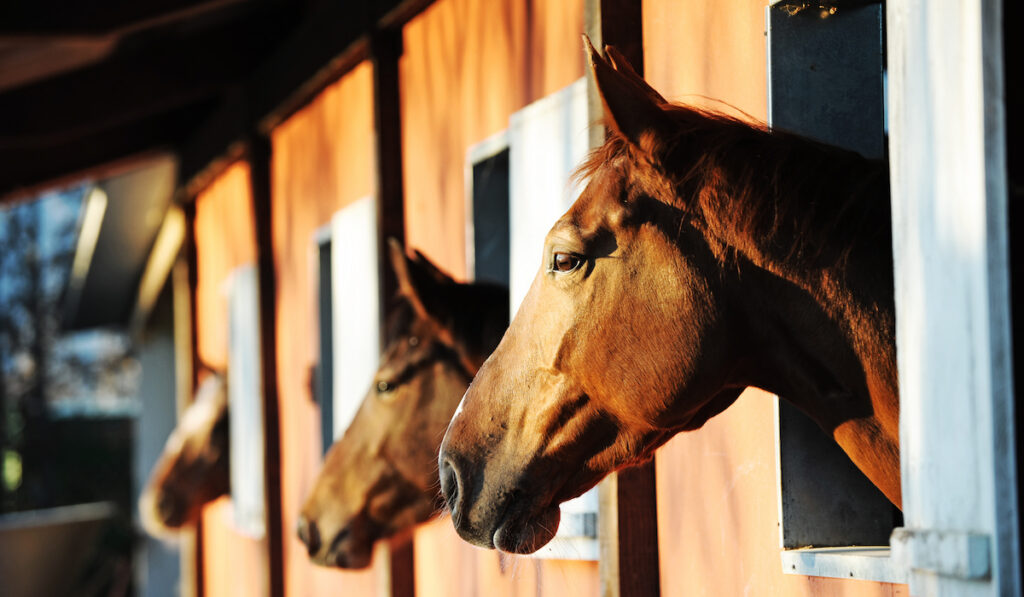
(356, 307)
(245, 396)
(947, 146)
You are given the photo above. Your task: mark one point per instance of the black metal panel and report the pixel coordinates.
(825, 75)
(325, 368)
(826, 72)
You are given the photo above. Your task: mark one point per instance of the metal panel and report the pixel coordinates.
(325, 366)
(825, 82)
(825, 75)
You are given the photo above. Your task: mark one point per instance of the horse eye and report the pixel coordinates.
(414, 341)
(566, 262)
(384, 387)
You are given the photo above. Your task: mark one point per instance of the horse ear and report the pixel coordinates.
(427, 268)
(631, 107)
(622, 65)
(419, 280)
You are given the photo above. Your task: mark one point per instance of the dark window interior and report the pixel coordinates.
(490, 219)
(324, 374)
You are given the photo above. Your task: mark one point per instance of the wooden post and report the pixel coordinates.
(385, 50)
(258, 152)
(628, 512)
(193, 581)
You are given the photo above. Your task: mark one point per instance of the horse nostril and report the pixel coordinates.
(310, 535)
(449, 484)
(165, 506)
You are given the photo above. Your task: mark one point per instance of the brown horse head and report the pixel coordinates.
(704, 255)
(193, 468)
(381, 477)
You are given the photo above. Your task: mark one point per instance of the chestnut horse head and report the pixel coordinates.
(381, 476)
(705, 255)
(193, 468)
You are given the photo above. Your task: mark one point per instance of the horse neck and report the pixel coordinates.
(808, 225)
(816, 252)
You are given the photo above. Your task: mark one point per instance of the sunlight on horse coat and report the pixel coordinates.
(705, 255)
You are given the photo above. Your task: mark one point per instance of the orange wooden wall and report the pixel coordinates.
(467, 66)
(322, 160)
(225, 239)
(717, 496)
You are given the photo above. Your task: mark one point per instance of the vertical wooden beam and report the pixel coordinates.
(385, 51)
(193, 579)
(628, 516)
(403, 567)
(258, 152)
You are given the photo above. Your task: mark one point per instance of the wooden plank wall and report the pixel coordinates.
(465, 66)
(322, 161)
(225, 239)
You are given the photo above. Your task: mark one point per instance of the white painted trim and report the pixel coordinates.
(486, 149)
(245, 395)
(858, 563)
(356, 309)
(321, 235)
(547, 141)
(949, 212)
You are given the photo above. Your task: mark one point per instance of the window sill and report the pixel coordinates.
(861, 563)
(569, 548)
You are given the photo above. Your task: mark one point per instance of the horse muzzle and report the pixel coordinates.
(494, 515)
(338, 548)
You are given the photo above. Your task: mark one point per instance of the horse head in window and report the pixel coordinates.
(380, 478)
(193, 468)
(705, 255)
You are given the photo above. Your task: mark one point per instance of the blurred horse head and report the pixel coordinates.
(193, 468)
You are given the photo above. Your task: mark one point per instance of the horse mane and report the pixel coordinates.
(779, 199)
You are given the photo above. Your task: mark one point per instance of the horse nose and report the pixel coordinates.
(449, 483)
(310, 535)
(165, 506)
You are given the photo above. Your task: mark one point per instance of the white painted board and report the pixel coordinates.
(949, 212)
(356, 309)
(245, 396)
